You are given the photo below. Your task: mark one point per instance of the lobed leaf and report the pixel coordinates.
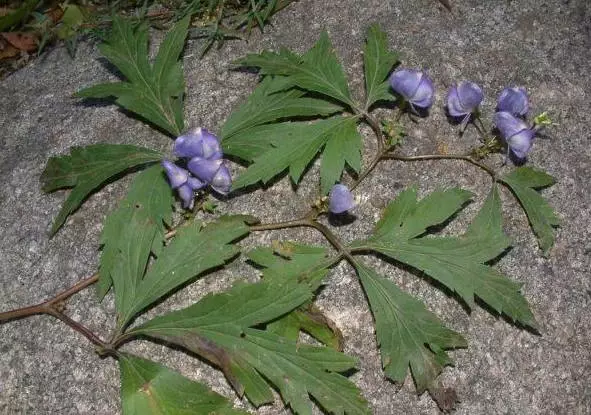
(378, 61)
(148, 388)
(523, 181)
(304, 264)
(456, 262)
(264, 106)
(193, 250)
(138, 226)
(154, 92)
(217, 328)
(87, 168)
(318, 70)
(294, 146)
(408, 334)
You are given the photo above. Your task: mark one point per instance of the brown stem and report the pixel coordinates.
(46, 307)
(469, 159)
(93, 338)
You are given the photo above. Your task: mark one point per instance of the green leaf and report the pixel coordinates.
(308, 318)
(217, 328)
(305, 264)
(148, 388)
(154, 92)
(344, 146)
(193, 250)
(17, 16)
(378, 62)
(295, 144)
(290, 261)
(264, 106)
(523, 181)
(408, 333)
(318, 70)
(489, 220)
(456, 262)
(87, 168)
(140, 217)
(406, 218)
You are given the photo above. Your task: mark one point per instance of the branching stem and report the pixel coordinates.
(490, 171)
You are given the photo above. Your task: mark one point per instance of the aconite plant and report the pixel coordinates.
(301, 110)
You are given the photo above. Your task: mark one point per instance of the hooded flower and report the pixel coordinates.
(340, 199)
(513, 100)
(177, 176)
(518, 135)
(463, 100)
(181, 180)
(198, 142)
(415, 87)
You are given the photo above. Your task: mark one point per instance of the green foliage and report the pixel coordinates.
(294, 146)
(378, 62)
(154, 92)
(150, 388)
(408, 334)
(87, 168)
(266, 105)
(304, 264)
(456, 262)
(193, 250)
(219, 328)
(134, 230)
(523, 182)
(304, 86)
(318, 70)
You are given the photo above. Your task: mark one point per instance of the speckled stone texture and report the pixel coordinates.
(46, 368)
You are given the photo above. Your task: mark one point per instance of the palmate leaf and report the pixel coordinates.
(378, 62)
(317, 71)
(132, 231)
(148, 388)
(193, 250)
(408, 334)
(87, 168)
(523, 182)
(218, 328)
(295, 144)
(154, 92)
(305, 264)
(456, 262)
(264, 106)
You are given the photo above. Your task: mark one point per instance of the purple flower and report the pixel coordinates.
(415, 87)
(513, 100)
(222, 180)
(340, 199)
(198, 142)
(463, 100)
(181, 180)
(187, 196)
(204, 169)
(177, 176)
(518, 135)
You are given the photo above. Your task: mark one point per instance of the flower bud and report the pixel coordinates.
(340, 199)
(222, 181)
(204, 169)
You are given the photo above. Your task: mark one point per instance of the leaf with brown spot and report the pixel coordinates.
(255, 357)
(148, 388)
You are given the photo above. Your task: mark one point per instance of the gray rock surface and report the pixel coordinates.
(46, 368)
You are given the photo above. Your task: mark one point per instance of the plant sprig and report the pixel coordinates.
(302, 108)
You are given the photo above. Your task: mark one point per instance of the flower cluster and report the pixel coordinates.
(463, 100)
(205, 165)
